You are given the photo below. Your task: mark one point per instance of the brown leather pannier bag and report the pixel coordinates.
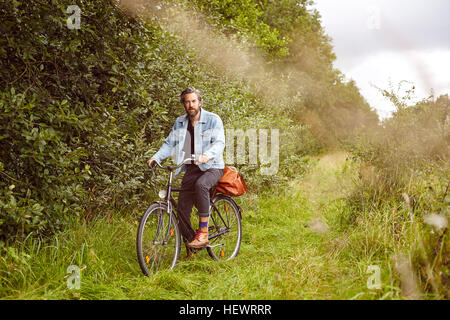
(232, 183)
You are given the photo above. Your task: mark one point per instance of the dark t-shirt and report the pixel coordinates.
(188, 147)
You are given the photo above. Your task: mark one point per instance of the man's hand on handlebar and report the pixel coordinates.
(201, 159)
(152, 163)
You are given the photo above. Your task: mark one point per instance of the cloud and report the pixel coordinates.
(377, 41)
(426, 69)
(361, 28)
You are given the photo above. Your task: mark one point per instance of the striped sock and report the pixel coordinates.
(203, 224)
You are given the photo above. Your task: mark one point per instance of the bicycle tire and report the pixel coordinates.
(225, 233)
(157, 250)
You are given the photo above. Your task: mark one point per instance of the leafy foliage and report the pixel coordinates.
(76, 111)
(404, 177)
(242, 19)
(82, 109)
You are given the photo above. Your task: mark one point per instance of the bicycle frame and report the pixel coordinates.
(172, 205)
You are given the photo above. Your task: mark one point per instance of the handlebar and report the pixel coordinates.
(171, 168)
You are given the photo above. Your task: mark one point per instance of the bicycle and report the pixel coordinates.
(158, 240)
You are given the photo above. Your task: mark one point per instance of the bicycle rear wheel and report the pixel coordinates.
(158, 240)
(225, 229)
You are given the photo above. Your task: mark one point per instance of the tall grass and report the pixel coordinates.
(308, 242)
(281, 257)
(402, 190)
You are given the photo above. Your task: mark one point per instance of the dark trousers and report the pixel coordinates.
(198, 183)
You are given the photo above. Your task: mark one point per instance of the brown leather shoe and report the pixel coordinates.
(200, 240)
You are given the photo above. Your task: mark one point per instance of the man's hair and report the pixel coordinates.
(190, 90)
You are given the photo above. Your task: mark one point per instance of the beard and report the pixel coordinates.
(192, 113)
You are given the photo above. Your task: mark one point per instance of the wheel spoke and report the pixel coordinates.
(225, 228)
(158, 240)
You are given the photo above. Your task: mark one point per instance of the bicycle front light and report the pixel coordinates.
(162, 194)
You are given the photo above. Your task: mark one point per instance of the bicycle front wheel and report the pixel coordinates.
(225, 229)
(158, 240)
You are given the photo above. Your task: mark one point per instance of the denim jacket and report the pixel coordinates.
(209, 140)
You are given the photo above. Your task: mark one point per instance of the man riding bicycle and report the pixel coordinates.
(198, 135)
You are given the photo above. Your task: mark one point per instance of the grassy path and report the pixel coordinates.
(292, 248)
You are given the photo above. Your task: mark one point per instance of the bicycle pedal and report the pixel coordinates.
(215, 245)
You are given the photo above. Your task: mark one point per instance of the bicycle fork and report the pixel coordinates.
(168, 231)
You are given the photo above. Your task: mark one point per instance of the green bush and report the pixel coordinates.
(406, 145)
(81, 110)
(403, 181)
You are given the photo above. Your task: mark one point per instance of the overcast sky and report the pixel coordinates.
(377, 41)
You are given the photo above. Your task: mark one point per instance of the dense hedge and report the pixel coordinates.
(73, 104)
(414, 142)
(82, 109)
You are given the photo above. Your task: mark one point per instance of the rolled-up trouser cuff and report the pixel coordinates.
(201, 214)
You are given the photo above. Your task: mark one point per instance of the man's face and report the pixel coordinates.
(191, 104)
